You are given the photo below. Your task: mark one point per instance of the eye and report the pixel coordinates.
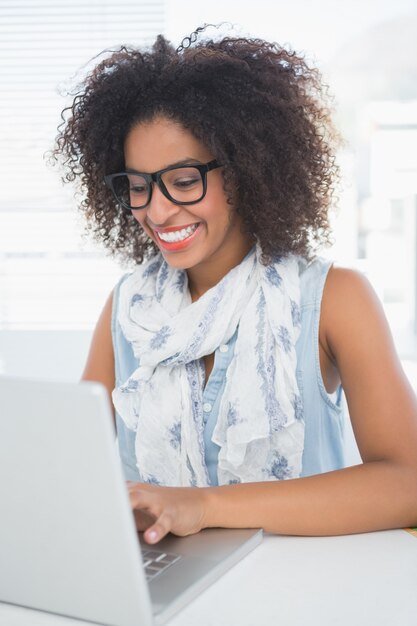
(137, 189)
(185, 182)
(182, 179)
(137, 185)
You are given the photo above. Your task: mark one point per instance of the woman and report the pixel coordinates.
(211, 168)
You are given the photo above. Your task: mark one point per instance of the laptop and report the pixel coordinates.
(68, 542)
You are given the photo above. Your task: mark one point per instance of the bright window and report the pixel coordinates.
(48, 279)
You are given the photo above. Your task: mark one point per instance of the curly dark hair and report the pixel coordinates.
(259, 108)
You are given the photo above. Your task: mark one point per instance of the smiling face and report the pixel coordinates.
(203, 238)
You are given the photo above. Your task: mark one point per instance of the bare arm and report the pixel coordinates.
(100, 361)
(382, 493)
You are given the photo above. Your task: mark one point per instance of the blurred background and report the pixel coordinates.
(53, 282)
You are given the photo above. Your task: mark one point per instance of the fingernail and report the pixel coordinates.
(153, 535)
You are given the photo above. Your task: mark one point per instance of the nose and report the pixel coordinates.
(160, 209)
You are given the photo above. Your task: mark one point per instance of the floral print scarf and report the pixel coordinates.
(260, 428)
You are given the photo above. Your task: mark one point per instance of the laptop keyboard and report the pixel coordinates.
(155, 562)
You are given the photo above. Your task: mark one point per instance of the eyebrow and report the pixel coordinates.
(186, 161)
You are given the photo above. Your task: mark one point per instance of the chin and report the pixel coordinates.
(175, 262)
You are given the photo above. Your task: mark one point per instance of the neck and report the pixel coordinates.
(206, 275)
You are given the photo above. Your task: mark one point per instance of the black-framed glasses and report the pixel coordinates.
(182, 184)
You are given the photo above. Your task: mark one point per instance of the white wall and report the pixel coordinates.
(44, 354)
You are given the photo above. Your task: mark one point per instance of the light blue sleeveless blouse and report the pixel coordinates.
(323, 415)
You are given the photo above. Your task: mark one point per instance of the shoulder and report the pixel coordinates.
(100, 361)
(351, 313)
(348, 292)
(347, 281)
(102, 329)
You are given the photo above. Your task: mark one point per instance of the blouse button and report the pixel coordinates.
(207, 407)
(224, 348)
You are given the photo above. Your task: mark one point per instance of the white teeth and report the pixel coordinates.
(178, 235)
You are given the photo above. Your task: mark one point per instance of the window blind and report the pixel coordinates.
(45, 48)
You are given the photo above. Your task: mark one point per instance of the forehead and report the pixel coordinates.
(159, 143)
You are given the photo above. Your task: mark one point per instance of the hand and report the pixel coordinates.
(160, 510)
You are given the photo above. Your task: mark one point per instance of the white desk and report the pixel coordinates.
(359, 580)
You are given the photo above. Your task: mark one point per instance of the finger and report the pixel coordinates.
(146, 508)
(159, 529)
